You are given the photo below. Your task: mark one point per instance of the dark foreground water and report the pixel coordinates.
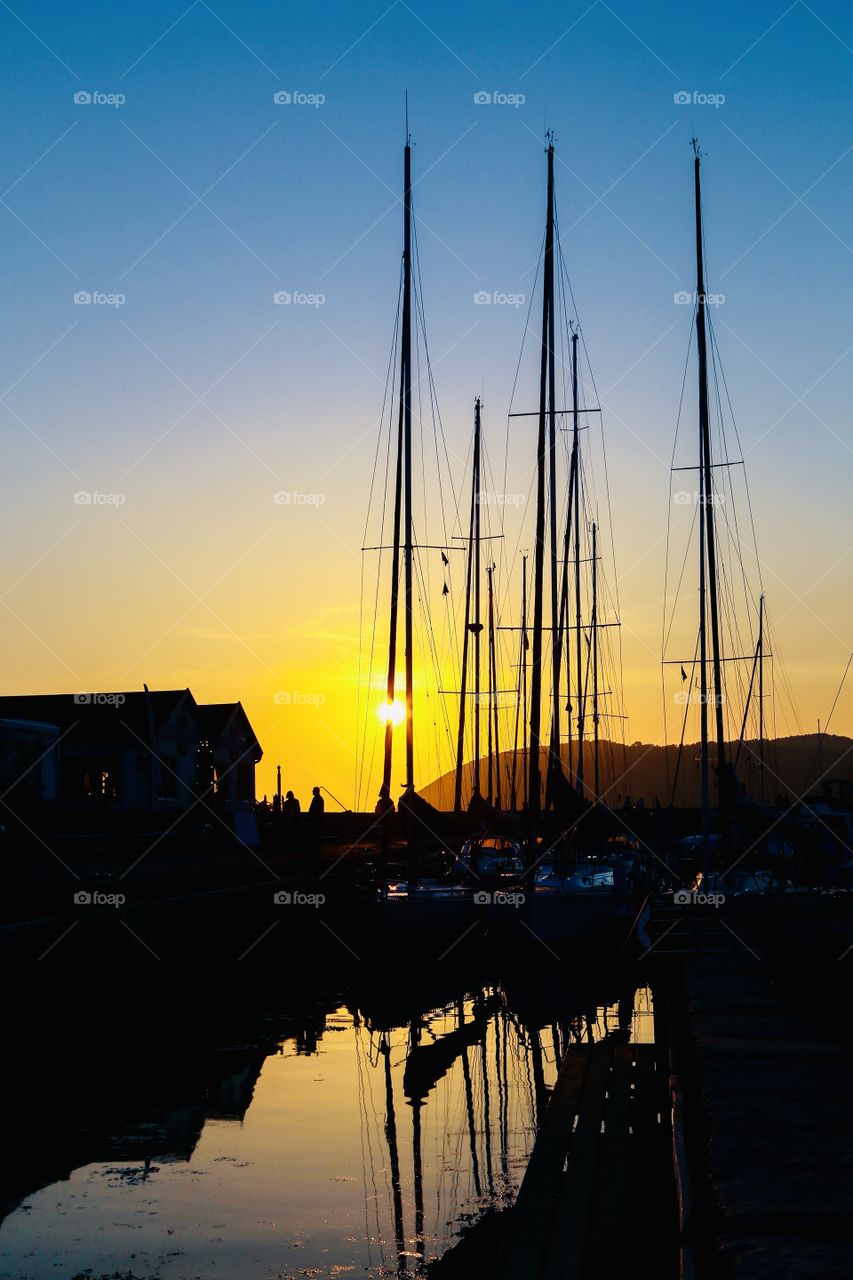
(352, 1133)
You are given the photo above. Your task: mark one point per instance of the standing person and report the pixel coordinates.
(316, 809)
(291, 811)
(384, 804)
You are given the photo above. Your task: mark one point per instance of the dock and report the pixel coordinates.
(596, 1200)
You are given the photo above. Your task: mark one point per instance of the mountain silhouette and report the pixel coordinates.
(794, 767)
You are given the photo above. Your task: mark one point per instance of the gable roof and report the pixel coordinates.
(111, 719)
(218, 717)
(99, 721)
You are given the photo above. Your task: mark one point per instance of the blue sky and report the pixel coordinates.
(198, 197)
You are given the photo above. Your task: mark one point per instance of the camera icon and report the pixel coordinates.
(283, 698)
(682, 897)
(82, 98)
(682, 98)
(482, 898)
(82, 298)
(282, 898)
(82, 699)
(482, 299)
(682, 298)
(83, 898)
(282, 98)
(482, 98)
(282, 298)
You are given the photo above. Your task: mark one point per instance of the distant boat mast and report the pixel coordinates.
(707, 541)
(403, 498)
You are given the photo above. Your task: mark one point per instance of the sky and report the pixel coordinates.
(181, 165)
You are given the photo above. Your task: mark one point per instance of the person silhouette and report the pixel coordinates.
(384, 804)
(316, 809)
(290, 811)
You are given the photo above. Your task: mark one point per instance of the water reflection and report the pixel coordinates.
(359, 1138)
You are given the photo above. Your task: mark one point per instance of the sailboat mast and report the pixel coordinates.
(554, 754)
(478, 626)
(703, 684)
(406, 390)
(463, 690)
(524, 647)
(491, 758)
(493, 683)
(577, 512)
(761, 699)
(539, 557)
(514, 773)
(707, 487)
(402, 461)
(594, 626)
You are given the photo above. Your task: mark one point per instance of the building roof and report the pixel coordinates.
(98, 717)
(217, 717)
(110, 718)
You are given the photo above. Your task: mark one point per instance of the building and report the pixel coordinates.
(28, 761)
(234, 749)
(133, 750)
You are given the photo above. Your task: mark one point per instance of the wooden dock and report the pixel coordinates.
(596, 1200)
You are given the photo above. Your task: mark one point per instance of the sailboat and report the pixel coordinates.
(567, 895)
(415, 908)
(731, 847)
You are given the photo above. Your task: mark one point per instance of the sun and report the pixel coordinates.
(395, 712)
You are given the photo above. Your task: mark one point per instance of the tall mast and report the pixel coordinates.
(554, 754)
(707, 487)
(539, 557)
(703, 685)
(478, 626)
(490, 751)
(521, 703)
(761, 699)
(402, 493)
(473, 540)
(594, 626)
(494, 796)
(564, 611)
(398, 485)
(406, 391)
(525, 645)
(577, 512)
